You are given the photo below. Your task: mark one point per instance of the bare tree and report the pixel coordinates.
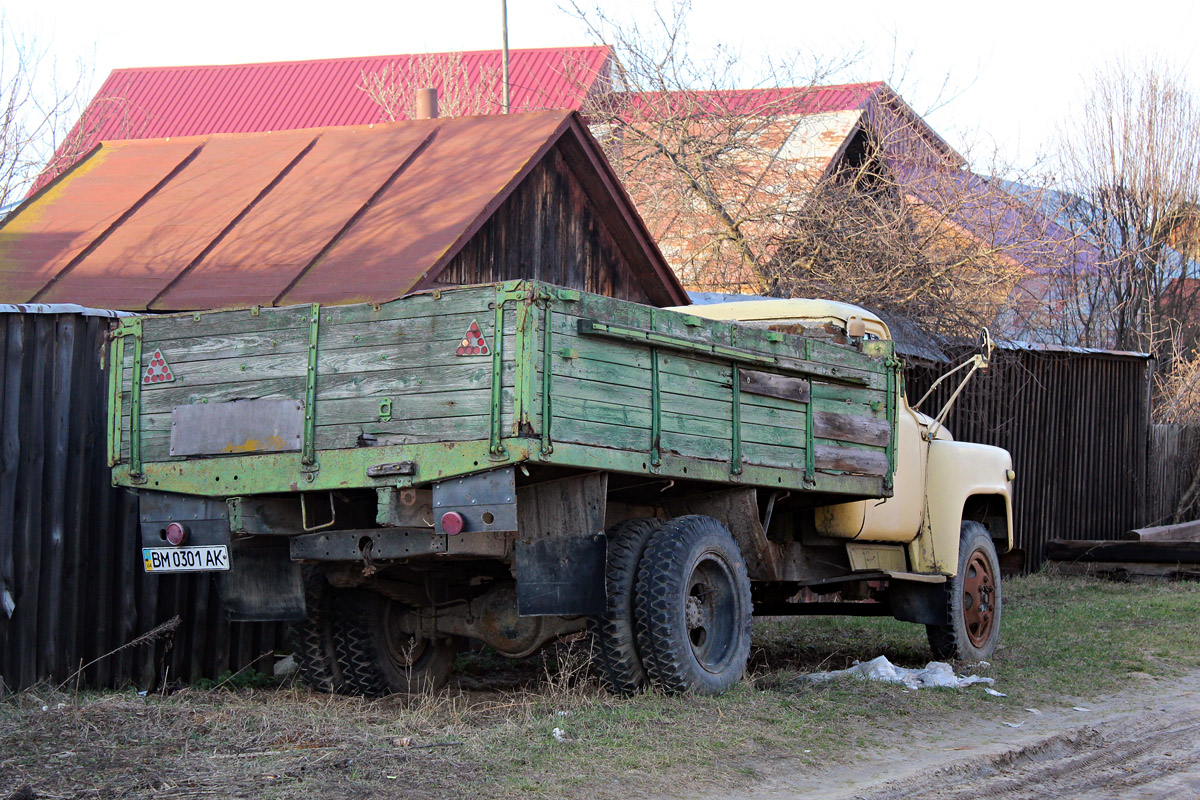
(703, 161)
(767, 191)
(459, 93)
(1131, 172)
(39, 103)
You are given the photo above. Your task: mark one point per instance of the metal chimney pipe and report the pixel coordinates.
(427, 104)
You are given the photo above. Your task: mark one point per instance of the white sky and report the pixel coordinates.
(1014, 67)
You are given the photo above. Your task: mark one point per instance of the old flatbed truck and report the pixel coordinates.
(514, 462)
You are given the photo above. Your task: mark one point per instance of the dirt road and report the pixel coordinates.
(1142, 743)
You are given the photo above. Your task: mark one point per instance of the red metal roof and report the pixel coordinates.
(154, 102)
(778, 100)
(330, 215)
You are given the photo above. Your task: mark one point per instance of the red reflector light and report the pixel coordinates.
(453, 523)
(176, 533)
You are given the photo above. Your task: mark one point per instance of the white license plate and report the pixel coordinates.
(186, 559)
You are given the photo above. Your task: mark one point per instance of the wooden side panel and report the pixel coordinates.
(602, 390)
(623, 377)
(386, 374)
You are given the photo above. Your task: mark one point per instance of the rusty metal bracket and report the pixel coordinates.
(304, 515)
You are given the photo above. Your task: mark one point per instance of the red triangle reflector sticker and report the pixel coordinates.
(472, 343)
(158, 370)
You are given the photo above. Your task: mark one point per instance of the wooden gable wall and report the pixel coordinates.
(548, 230)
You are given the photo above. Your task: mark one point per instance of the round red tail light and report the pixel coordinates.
(453, 523)
(176, 533)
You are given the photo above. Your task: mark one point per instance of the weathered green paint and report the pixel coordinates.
(655, 411)
(732, 354)
(735, 465)
(309, 450)
(116, 365)
(810, 442)
(495, 443)
(383, 504)
(572, 379)
(135, 413)
(268, 473)
(547, 379)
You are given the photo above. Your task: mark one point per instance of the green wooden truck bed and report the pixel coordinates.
(462, 380)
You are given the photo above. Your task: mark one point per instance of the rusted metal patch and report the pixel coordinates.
(242, 426)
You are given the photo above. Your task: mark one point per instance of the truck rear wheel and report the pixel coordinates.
(692, 607)
(618, 660)
(972, 601)
(376, 657)
(312, 638)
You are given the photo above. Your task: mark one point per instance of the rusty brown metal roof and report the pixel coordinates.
(329, 215)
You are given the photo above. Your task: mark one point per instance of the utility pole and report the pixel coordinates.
(504, 31)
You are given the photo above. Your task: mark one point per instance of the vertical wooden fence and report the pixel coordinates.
(1174, 460)
(71, 584)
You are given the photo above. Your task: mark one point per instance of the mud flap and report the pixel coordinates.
(263, 584)
(561, 576)
(561, 548)
(924, 603)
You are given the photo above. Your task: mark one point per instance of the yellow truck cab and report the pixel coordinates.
(951, 505)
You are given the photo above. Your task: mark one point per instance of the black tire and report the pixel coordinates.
(973, 601)
(618, 661)
(375, 658)
(312, 638)
(692, 607)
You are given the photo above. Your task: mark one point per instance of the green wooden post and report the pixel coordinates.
(547, 369)
(495, 445)
(655, 411)
(116, 366)
(135, 410)
(735, 467)
(810, 450)
(309, 453)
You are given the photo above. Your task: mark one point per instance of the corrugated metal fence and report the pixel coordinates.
(1076, 423)
(71, 586)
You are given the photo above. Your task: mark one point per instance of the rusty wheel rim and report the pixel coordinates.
(979, 599)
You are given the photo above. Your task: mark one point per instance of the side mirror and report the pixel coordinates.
(986, 346)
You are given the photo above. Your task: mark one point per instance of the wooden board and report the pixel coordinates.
(1137, 552)
(1182, 532)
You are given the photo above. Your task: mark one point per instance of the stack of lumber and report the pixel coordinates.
(1166, 552)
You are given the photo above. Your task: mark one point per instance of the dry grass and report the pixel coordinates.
(491, 733)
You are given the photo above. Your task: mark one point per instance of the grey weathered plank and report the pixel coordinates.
(851, 428)
(850, 459)
(771, 385)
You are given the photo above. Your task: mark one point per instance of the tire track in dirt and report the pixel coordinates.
(1151, 755)
(1142, 743)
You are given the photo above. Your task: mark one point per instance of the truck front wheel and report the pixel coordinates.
(972, 601)
(692, 607)
(376, 657)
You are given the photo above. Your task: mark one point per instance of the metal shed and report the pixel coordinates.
(1076, 421)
